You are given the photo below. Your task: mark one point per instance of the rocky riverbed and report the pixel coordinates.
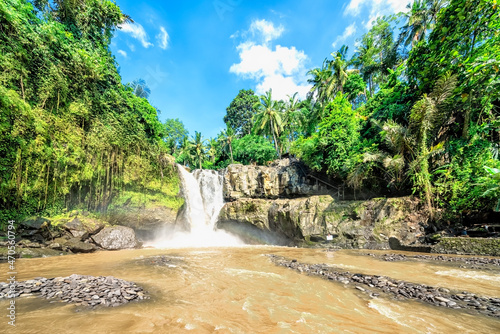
(374, 285)
(463, 262)
(90, 291)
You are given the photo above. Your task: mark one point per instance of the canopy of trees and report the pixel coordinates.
(414, 109)
(71, 134)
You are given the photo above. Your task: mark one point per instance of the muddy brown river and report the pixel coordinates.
(239, 290)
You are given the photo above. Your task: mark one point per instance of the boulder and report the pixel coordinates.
(116, 237)
(35, 223)
(83, 227)
(142, 219)
(77, 246)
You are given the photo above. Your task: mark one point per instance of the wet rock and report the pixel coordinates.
(116, 237)
(77, 246)
(35, 223)
(307, 220)
(83, 227)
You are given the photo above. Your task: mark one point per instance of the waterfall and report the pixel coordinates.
(203, 200)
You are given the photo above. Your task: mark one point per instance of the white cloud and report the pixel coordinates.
(279, 68)
(266, 30)
(349, 31)
(162, 38)
(137, 32)
(376, 7)
(354, 7)
(123, 53)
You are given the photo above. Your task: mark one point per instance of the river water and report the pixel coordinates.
(239, 290)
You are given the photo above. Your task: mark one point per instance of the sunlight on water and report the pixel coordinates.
(479, 276)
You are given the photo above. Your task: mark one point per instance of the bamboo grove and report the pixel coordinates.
(72, 134)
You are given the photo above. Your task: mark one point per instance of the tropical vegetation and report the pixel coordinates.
(413, 109)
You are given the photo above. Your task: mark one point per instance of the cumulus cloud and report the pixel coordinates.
(136, 31)
(266, 30)
(162, 38)
(279, 68)
(349, 31)
(123, 53)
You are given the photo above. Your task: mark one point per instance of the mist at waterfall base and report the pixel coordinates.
(196, 222)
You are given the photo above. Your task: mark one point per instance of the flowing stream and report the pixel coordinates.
(238, 290)
(202, 287)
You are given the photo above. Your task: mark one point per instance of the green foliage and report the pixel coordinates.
(355, 89)
(175, 132)
(253, 149)
(335, 143)
(72, 135)
(268, 119)
(240, 112)
(494, 185)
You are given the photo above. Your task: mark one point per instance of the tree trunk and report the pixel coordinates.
(274, 137)
(231, 152)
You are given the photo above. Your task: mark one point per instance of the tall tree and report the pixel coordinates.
(140, 88)
(240, 112)
(228, 136)
(427, 115)
(268, 119)
(175, 132)
(198, 148)
(420, 18)
(339, 69)
(323, 84)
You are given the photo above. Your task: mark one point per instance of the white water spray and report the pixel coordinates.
(202, 192)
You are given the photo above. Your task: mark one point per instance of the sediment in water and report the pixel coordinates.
(374, 285)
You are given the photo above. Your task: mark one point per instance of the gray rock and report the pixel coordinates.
(116, 237)
(35, 223)
(283, 179)
(77, 246)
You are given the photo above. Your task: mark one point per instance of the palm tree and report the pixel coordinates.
(427, 115)
(268, 118)
(339, 68)
(185, 151)
(364, 59)
(331, 77)
(228, 136)
(197, 145)
(322, 82)
(140, 88)
(212, 151)
(421, 17)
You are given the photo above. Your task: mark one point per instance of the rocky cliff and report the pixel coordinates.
(356, 224)
(284, 178)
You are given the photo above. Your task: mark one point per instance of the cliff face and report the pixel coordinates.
(356, 224)
(284, 178)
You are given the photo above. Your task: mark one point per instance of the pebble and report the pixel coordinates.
(81, 290)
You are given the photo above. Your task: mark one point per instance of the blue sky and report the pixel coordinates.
(196, 55)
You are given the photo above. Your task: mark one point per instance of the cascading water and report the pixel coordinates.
(202, 192)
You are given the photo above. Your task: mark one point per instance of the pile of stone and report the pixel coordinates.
(90, 291)
(374, 285)
(471, 262)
